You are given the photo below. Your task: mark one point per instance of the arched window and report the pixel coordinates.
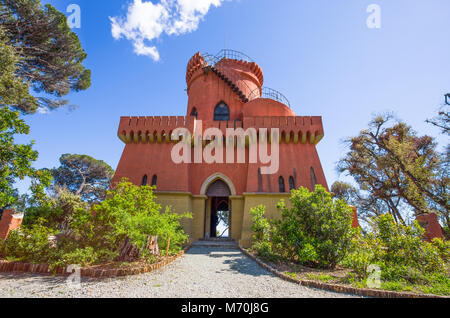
(291, 183)
(154, 180)
(313, 178)
(281, 184)
(221, 112)
(144, 180)
(194, 112)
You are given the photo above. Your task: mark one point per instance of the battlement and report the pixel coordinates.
(159, 128)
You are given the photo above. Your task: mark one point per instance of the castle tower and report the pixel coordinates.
(224, 91)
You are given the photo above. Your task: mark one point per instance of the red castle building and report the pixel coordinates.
(224, 91)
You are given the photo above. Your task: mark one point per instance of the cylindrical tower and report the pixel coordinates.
(228, 78)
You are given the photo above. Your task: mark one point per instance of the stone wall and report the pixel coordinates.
(9, 221)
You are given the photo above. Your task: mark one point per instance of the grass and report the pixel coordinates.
(436, 284)
(322, 277)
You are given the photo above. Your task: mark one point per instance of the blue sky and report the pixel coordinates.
(319, 53)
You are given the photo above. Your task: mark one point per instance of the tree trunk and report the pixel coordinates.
(152, 245)
(128, 252)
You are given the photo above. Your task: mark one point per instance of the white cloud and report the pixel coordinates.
(147, 21)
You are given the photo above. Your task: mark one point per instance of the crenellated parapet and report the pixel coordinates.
(152, 129)
(158, 129)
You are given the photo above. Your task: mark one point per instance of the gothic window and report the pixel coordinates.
(154, 180)
(144, 180)
(221, 112)
(291, 183)
(281, 184)
(194, 113)
(313, 178)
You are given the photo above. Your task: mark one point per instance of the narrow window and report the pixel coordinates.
(221, 112)
(313, 178)
(154, 180)
(144, 180)
(281, 184)
(291, 183)
(194, 113)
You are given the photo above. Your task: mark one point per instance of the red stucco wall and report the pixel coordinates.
(298, 151)
(8, 223)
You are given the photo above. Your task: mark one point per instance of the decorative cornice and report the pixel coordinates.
(151, 130)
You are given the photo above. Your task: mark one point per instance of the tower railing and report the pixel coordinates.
(235, 81)
(270, 93)
(228, 75)
(234, 55)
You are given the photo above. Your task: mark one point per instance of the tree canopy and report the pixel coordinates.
(84, 176)
(50, 54)
(396, 170)
(15, 159)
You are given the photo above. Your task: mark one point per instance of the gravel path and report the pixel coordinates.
(202, 272)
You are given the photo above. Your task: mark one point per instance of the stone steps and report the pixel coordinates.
(220, 243)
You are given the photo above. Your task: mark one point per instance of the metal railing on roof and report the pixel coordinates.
(270, 93)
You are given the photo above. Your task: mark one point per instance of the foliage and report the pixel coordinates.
(94, 236)
(442, 120)
(58, 211)
(316, 230)
(400, 252)
(132, 211)
(84, 176)
(30, 244)
(262, 232)
(395, 169)
(16, 160)
(344, 191)
(50, 54)
(13, 90)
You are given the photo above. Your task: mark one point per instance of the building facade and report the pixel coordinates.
(224, 91)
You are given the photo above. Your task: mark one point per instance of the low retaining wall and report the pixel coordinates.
(376, 293)
(11, 267)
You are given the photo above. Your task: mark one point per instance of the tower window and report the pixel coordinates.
(144, 180)
(194, 113)
(313, 178)
(221, 112)
(291, 183)
(281, 184)
(154, 180)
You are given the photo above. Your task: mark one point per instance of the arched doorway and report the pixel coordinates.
(220, 212)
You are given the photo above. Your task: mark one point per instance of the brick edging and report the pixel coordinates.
(11, 267)
(366, 292)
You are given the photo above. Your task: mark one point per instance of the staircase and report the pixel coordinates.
(217, 243)
(212, 63)
(230, 83)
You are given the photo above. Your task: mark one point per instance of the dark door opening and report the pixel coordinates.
(220, 217)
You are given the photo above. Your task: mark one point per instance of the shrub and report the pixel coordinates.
(94, 236)
(262, 232)
(30, 244)
(316, 230)
(58, 211)
(400, 251)
(131, 211)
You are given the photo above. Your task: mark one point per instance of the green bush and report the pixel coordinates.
(58, 211)
(30, 244)
(94, 236)
(131, 211)
(262, 232)
(400, 251)
(316, 230)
